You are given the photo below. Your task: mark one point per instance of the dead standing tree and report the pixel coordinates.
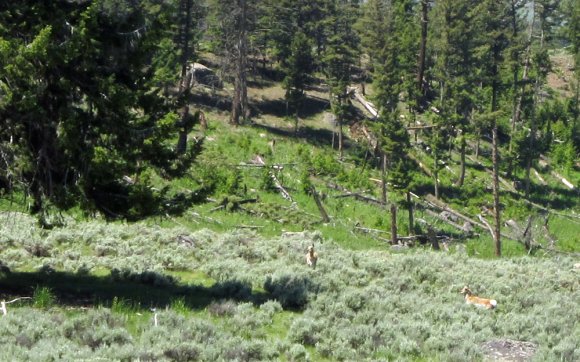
(185, 82)
(240, 57)
(231, 23)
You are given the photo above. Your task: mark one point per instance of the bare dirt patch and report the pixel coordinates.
(562, 74)
(509, 350)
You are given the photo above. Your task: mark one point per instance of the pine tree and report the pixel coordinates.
(231, 23)
(454, 71)
(79, 101)
(492, 23)
(297, 68)
(340, 56)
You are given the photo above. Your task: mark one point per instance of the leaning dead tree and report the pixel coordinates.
(285, 194)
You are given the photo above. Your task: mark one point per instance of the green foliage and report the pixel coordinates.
(43, 298)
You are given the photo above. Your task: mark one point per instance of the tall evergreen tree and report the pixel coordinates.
(492, 23)
(454, 71)
(231, 23)
(340, 56)
(297, 68)
(77, 100)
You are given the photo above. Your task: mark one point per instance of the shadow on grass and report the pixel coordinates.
(314, 136)
(277, 107)
(215, 101)
(139, 290)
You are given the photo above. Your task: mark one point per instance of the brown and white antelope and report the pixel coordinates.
(311, 257)
(477, 301)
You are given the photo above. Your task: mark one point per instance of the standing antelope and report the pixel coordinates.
(477, 301)
(311, 257)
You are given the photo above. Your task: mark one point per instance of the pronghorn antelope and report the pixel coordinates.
(477, 301)
(311, 257)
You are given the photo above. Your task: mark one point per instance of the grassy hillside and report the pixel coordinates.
(240, 296)
(228, 279)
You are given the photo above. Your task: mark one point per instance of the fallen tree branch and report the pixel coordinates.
(249, 226)
(3, 304)
(357, 196)
(321, 209)
(544, 163)
(444, 207)
(369, 230)
(447, 221)
(285, 194)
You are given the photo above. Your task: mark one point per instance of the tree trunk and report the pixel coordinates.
(321, 209)
(186, 7)
(384, 179)
(432, 236)
(393, 224)
(423, 46)
(235, 116)
(496, 211)
(340, 135)
(461, 179)
(495, 160)
(411, 218)
(533, 124)
(517, 108)
(436, 175)
(240, 101)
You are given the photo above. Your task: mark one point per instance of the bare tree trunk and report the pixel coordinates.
(240, 100)
(187, 8)
(432, 236)
(436, 175)
(340, 135)
(235, 116)
(477, 143)
(461, 179)
(527, 63)
(411, 218)
(321, 209)
(244, 61)
(393, 224)
(495, 160)
(496, 206)
(533, 125)
(423, 46)
(384, 179)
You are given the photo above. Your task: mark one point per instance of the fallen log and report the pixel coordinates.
(249, 226)
(369, 230)
(321, 209)
(444, 207)
(437, 215)
(544, 163)
(3, 304)
(357, 196)
(285, 194)
(539, 177)
(423, 167)
(505, 183)
(367, 105)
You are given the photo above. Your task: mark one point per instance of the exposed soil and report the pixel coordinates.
(509, 350)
